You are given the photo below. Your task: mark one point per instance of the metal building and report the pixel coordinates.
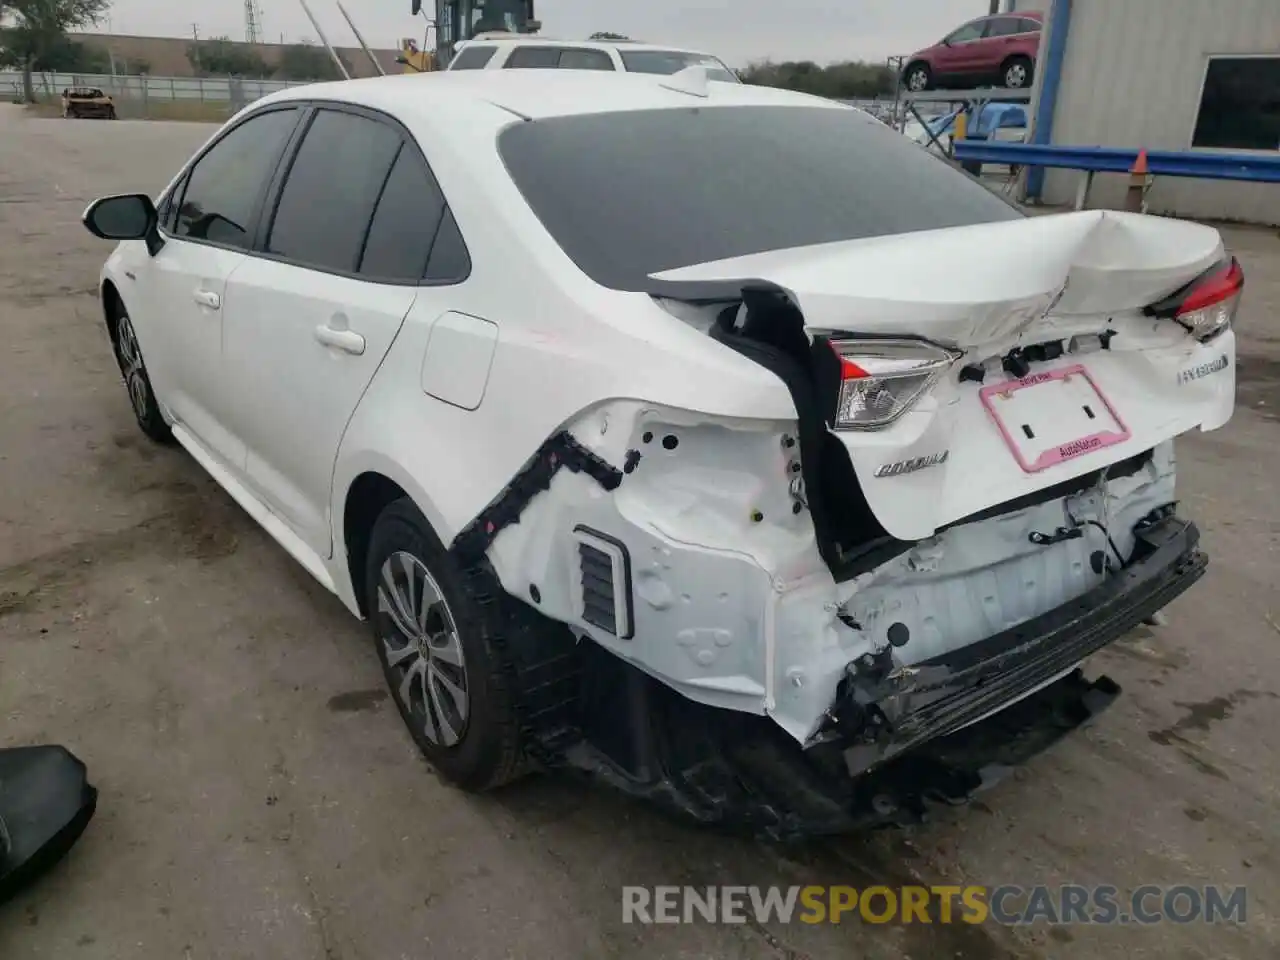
(1167, 75)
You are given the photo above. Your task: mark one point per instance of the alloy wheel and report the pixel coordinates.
(916, 81)
(1016, 76)
(131, 367)
(423, 651)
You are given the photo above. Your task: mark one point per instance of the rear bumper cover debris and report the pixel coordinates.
(883, 710)
(897, 742)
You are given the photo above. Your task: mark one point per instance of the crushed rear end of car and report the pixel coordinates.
(808, 625)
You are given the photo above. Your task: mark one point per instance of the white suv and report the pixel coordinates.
(539, 53)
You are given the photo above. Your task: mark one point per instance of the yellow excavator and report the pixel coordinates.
(455, 21)
(459, 20)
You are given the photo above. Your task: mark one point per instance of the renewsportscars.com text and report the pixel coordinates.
(1008, 904)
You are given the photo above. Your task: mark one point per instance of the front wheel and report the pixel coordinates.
(918, 77)
(436, 642)
(141, 396)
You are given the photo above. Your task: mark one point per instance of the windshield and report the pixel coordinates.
(634, 193)
(493, 15)
(673, 61)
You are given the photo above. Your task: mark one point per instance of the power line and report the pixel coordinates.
(252, 22)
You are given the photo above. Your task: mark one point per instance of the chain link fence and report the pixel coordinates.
(156, 98)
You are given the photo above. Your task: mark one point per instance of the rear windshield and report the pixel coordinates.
(634, 193)
(673, 61)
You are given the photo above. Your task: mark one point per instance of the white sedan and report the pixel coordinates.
(710, 438)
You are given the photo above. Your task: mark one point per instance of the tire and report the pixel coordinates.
(917, 77)
(448, 680)
(1017, 73)
(142, 398)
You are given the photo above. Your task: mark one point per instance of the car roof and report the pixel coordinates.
(536, 94)
(541, 41)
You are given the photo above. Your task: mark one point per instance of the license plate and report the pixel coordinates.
(1048, 418)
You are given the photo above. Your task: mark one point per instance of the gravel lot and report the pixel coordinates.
(260, 799)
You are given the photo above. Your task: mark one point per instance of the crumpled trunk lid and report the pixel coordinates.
(984, 290)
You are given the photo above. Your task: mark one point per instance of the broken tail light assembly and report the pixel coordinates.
(880, 380)
(1207, 306)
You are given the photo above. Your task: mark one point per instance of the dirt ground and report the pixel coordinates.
(261, 800)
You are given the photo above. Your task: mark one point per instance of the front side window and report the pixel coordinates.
(668, 62)
(1240, 104)
(970, 31)
(225, 187)
(473, 57)
(332, 188)
(629, 194)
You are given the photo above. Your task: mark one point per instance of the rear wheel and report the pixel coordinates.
(141, 396)
(1017, 73)
(918, 77)
(436, 645)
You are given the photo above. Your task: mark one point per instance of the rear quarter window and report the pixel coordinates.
(630, 194)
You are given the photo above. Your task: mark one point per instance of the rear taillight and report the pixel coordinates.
(881, 379)
(1207, 306)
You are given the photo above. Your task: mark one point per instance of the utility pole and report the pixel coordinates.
(195, 50)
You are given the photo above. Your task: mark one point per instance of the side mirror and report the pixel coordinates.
(128, 217)
(533, 26)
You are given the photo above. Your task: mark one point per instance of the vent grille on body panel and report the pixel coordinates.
(604, 567)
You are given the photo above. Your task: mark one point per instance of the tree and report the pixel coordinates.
(38, 26)
(222, 56)
(843, 81)
(302, 61)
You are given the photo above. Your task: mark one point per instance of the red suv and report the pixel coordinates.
(1000, 49)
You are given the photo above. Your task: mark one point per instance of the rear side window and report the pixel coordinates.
(1027, 25)
(630, 194)
(406, 220)
(525, 57)
(226, 185)
(450, 262)
(1004, 27)
(585, 60)
(473, 58)
(331, 191)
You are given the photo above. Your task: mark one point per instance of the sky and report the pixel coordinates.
(739, 31)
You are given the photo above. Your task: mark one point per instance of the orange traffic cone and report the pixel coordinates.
(1135, 198)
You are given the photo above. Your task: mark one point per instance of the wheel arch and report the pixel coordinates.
(361, 497)
(918, 62)
(1014, 58)
(112, 307)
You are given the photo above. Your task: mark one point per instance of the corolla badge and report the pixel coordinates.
(911, 466)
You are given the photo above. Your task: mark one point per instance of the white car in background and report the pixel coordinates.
(510, 53)
(637, 463)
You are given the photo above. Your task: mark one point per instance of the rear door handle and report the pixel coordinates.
(348, 341)
(207, 298)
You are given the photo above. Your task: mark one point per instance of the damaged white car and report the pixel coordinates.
(711, 439)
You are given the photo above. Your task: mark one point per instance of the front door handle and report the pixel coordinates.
(207, 298)
(348, 341)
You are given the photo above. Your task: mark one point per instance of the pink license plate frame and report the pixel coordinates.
(1090, 443)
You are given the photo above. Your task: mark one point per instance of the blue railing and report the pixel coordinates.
(1259, 168)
